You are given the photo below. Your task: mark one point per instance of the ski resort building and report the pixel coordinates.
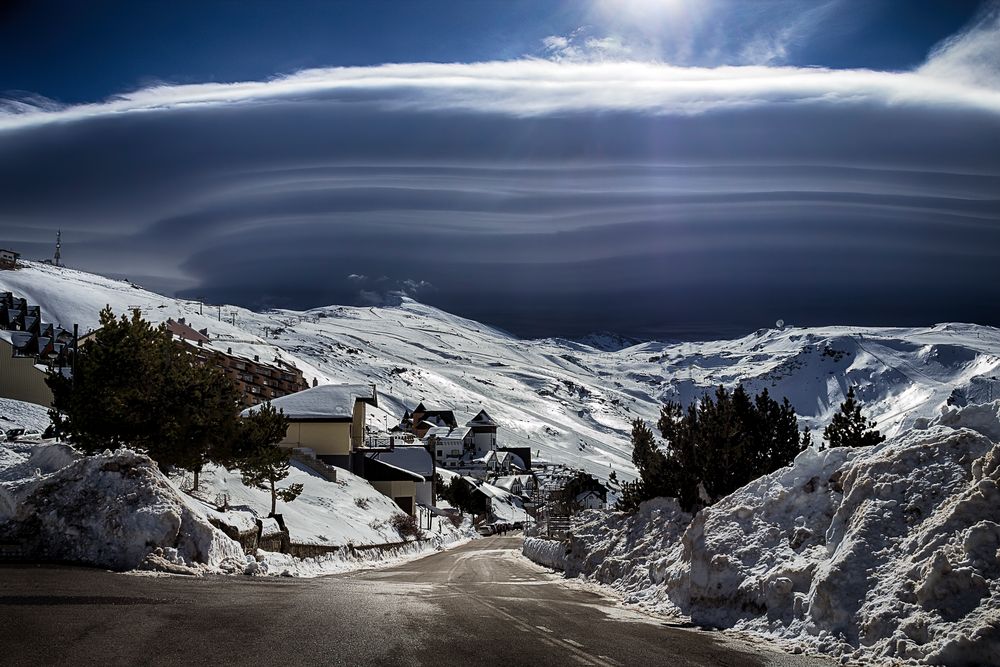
(519, 485)
(422, 420)
(484, 433)
(21, 378)
(257, 381)
(29, 350)
(328, 419)
(451, 447)
(404, 473)
(8, 259)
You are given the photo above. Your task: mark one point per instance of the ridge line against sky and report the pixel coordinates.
(249, 191)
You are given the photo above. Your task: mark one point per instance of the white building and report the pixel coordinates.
(452, 447)
(484, 433)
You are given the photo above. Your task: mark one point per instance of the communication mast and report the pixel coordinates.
(58, 255)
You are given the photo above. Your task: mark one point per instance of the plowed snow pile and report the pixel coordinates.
(111, 510)
(883, 554)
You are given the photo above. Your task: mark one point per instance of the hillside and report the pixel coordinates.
(568, 401)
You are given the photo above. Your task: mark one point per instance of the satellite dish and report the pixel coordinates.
(780, 324)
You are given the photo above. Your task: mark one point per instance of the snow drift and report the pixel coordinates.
(885, 553)
(111, 510)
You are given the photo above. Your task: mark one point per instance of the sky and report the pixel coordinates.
(656, 168)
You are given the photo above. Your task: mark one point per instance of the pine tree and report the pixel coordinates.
(262, 463)
(133, 386)
(199, 419)
(720, 443)
(631, 495)
(849, 428)
(114, 399)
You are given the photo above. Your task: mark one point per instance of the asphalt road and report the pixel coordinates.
(479, 604)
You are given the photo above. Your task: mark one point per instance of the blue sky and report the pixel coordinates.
(654, 167)
(85, 51)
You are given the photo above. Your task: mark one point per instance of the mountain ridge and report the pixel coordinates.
(568, 401)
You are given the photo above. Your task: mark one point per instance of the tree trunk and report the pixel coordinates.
(197, 471)
(274, 498)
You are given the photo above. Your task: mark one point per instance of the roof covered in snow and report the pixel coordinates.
(448, 433)
(416, 459)
(482, 419)
(327, 402)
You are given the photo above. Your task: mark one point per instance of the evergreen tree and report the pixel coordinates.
(114, 399)
(200, 419)
(631, 495)
(720, 443)
(133, 386)
(849, 428)
(262, 463)
(650, 462)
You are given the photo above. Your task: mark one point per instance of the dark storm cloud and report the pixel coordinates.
(715, 210)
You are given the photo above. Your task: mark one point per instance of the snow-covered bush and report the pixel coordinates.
(405, 524)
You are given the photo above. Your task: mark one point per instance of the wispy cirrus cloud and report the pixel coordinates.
(538, 87)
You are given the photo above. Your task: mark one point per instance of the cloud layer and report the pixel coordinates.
(546, 197)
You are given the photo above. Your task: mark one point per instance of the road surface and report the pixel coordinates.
(478, 604)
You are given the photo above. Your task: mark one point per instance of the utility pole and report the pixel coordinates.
(76, 344)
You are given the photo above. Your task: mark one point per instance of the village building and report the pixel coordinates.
(394, 482)
(422, 420)
(484, 433)
(589, 500)
(21, 377)
(8, 259)
(257, 381)
(30, 349)
(410, 463)
(499, 463)
(519, 485)
(451, 447)
(329, 420)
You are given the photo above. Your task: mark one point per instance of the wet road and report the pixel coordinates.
(479, 604)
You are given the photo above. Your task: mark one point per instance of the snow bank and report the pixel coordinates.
(636, 559)
(443, 536)
(112, 510)
(117, 510)
(877, 554)
(550, 553)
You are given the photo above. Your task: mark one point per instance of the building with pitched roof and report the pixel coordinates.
(484, 433)
(328, 419)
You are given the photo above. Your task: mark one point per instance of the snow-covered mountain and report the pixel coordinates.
(569, 401)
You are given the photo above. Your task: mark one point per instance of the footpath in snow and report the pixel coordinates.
(885, 555)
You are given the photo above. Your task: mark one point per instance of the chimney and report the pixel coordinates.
(201, 343)
(181, 320)
(256, 357)
(229, 350)
(315, 382)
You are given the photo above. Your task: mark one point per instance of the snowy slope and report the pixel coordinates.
(348, 511)
(568, 401)
(18, 414)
